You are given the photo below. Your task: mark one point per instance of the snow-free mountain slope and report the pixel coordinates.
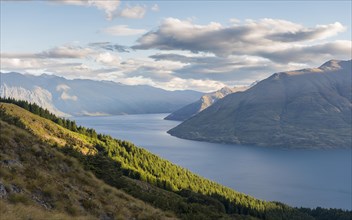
(305, 108)
(204, 102)
(88, 97)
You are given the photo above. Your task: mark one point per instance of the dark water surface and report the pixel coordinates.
(307, 178)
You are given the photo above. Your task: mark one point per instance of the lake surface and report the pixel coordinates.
(307, 178)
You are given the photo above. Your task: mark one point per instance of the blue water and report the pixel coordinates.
(307, 178)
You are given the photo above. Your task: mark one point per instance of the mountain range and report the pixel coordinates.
(293, 109)
(87, 97)
(204, 102)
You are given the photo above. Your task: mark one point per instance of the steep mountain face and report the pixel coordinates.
(204, 102)
(88, 97)
(37, 95)
(305, 108)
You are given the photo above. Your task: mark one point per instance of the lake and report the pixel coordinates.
(307, 178)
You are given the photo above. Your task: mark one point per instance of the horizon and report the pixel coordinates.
(103, 80)
(169, 45)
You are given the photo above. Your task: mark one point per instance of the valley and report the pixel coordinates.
(120, 164)
(165, 110)
(295, 177)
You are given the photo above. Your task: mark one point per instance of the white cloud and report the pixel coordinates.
(66, 52)
(175, 83)
(133, 12)
(253, 37)
(309, 34)
(136, 80)
(123, 30)
(64, 95)
(234, 21)
(196, 84)
(108, 58)
(155, 7)
(191, 56)
(61, 52)
(108, 6)
(161, 70)
(18, 63)
(62, 87)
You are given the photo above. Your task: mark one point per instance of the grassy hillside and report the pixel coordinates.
(39, 182)
(146, 176)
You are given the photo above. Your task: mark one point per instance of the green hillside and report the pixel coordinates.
(134, 170)
(39, 182)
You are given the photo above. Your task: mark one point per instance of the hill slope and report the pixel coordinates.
(39, 182)
(204, 102)
(88, 97)
(305, 108)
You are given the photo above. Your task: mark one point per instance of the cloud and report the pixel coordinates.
(207, 66)
(62, 87)
(123, 30)
(197, 84)
(252, 37)
(64, 95)
(155, 7)
(306, 34)
(108, 58)
(66, 51)
(67, 68)
(110, 46)
(191, 56)
(86, 113)
(135, 12)
(311, 53)
(109, 7)
(175, 83)
(161, 70)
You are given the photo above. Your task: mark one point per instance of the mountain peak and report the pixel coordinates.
(334, 64)
(288, 109)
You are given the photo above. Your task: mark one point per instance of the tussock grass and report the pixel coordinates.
(55, 186)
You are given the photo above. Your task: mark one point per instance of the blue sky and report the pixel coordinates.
(200, 45)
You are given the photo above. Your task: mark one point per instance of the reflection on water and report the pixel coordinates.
(306, 178)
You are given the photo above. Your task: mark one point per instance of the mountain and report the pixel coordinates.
(204, 102)
(66, 172)
(88, 97)
(309, 108)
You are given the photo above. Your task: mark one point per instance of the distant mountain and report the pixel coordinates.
(88, 97)
(309, 108)
(204, 102)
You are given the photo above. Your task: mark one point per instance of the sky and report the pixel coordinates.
(174, 45)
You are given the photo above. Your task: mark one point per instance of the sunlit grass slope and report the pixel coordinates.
(39, 182)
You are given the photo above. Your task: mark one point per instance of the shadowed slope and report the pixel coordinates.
(306, 108)
(204, 102)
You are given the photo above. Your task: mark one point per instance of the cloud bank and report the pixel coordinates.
(184, 55)
(264, 38)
